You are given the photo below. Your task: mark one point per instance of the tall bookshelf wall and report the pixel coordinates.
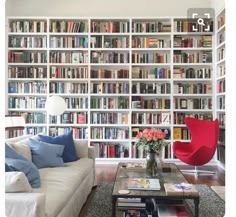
(117, 76)
(220, 82)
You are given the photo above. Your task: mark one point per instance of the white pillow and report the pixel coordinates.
(16, 182)
(22, 148)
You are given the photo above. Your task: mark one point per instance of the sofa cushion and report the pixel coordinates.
(16, 182)
(22, 148)
(59, 183)
(19, 163)
(66, 139)
(45, 154)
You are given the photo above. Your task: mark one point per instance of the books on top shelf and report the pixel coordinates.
(143, 184)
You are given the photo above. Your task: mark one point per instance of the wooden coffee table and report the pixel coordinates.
(172, 175)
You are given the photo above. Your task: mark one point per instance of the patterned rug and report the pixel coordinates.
(211, 205)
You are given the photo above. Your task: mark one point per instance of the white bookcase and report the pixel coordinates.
(220, 82)
(117, 75)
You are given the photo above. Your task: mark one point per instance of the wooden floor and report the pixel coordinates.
(106, 173)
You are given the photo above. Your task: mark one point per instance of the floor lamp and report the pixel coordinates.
(55, 105)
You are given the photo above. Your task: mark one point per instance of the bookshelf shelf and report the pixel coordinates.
(121, 73)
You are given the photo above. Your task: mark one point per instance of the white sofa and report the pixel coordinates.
(63, 190)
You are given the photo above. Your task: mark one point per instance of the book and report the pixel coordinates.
(135, 213)
(131, 204)
(172, 210)
(172, 190)
(143, 184)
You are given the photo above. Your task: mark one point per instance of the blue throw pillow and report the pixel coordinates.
(19, 163)
(69, 153)
(8, 168)
(46, 155)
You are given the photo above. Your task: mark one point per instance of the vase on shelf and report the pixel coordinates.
(152, 165)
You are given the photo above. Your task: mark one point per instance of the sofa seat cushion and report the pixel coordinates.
(59, 183)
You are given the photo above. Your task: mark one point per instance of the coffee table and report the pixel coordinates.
(173, 175)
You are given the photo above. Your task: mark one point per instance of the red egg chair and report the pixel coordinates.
(201, 149)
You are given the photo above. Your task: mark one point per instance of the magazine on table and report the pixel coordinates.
(143, 184)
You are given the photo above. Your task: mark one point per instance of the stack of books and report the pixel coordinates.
(144, 184)
(130, 203)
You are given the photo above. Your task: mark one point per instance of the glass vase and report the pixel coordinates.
(151, 165)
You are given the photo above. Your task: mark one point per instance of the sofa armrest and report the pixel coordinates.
(91, 153)
(81, 147)
(25, 204)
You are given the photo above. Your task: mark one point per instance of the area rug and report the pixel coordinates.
(211, 205)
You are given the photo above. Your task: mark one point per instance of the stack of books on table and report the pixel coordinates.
(130, 203)
(144, 184)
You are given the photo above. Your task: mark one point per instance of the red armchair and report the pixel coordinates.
(202, 147)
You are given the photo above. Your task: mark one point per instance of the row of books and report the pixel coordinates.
(109, 73)
(109, 150)
(221, 102)
(149, 118)
(192, 103)
(119, 102)
(108, 118)
(27, 42)
(150, 57)
(68, 57)
(28, 26)
(78, 133)
(151, 26)
(26, 102)
(186, 88)
(192, 73)
(102, 41)
(68, 26)
(109, 57)
(27, 72)
(68, 42)
(109, 26)
(109, 133)
(149, 88)
(110, 88)
(179, 116)
(151, 73)
(27, 57)
(68, 87)
(68, 72)
(180, 133)
(193, 42)
(196, 57)
(27, 87)
(147, 42)
(221, 86)
(157, 103)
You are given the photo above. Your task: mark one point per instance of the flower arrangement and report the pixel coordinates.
(151, 139)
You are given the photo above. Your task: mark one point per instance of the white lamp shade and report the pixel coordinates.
(14, 121)
(55, 105)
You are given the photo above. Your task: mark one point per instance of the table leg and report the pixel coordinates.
(113, 207)
(196, 203)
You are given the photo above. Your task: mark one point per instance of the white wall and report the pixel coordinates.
(103, 8)
(218, 5)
